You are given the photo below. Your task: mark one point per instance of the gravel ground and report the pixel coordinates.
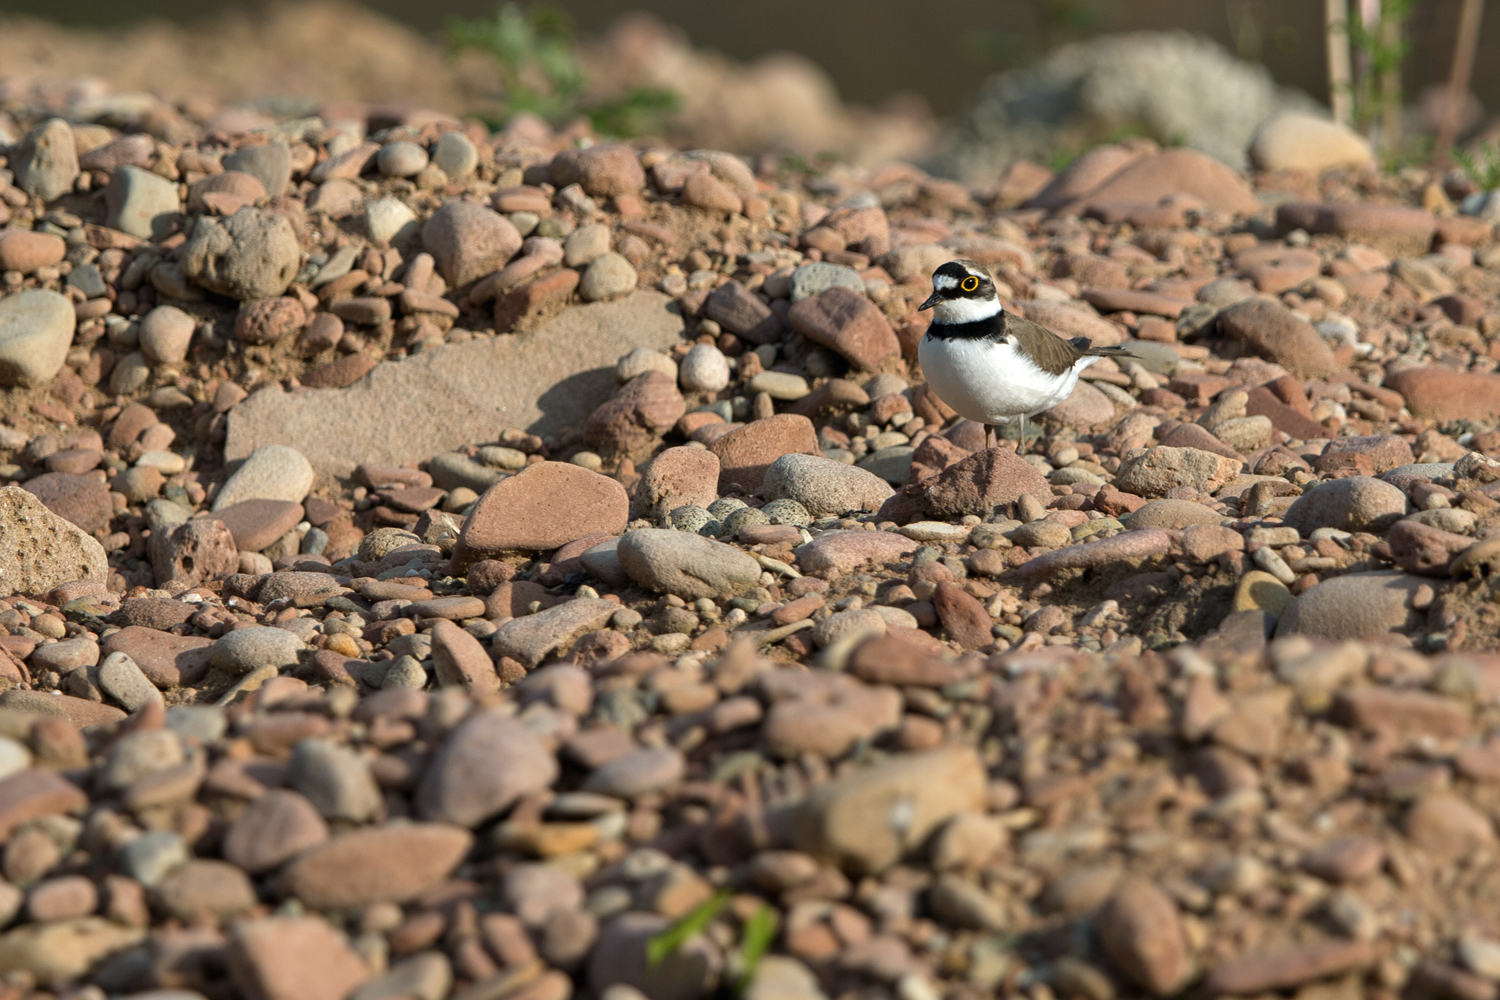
(512, 566)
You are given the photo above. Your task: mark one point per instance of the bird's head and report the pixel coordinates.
(962, 292)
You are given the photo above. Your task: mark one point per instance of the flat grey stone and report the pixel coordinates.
(141, 203)
(542, 381)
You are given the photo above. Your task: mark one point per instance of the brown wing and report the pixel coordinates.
(1051, 353)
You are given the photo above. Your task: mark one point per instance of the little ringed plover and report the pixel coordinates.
(990, 365)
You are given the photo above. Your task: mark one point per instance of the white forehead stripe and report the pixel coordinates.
(944, 281)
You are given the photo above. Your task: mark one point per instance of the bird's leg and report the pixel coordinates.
(1021, 442)
(989, 436)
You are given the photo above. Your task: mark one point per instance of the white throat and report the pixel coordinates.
(954, 311)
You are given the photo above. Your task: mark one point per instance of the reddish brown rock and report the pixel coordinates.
(1442, 394)
(460, 661)
(604, 169)
(676, 477)
(35, 792)
(1421, 548)
(167, 660)
(745, 453)
(1447, 827)
(1408, 712)
(1141, 932)
(544, 506)
(24, 250)
(964, 618)
(196, 552)
(1287, 967)
(1263, 403)
(342, 373)
(737, 310)
(892, 659)
(83, 500)
(534, 297)
(1392, 228)
(978, 484)
(293, 958)
(275, 828)
(389, 864)
(469, 241)
(255, 524)
(269, 320)
(642, 411)
(1272, 331)
(704, 190)
(845, 321)
(1084, 175)
(1149, 179)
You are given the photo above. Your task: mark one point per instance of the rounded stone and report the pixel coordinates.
(253, 254)
(455, 155)
(1353, 607)
(609, 276)
(389, 220)
(824, 486)
(165, 335)
(24, 250)
(273, 472)
(36, 329)
(401, 159)
(469, 241)
(704, 369)
(1303, 142)
(246, 650)
(267, 321)
(690, 566)
(1356, 503)
(46, 161)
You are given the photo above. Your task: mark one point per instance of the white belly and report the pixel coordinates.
(989, 382)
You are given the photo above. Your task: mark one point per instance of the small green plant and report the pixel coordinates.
(755, 940)
(1482, 165)
(540, 72)
(1383, 48)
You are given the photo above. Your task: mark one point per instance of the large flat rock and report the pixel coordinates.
(459, 394)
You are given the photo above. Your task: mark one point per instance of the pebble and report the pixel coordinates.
(335, 779)
(166, 333)
(390, 220)
(273, 472)
(704, 369)
(819, 276)
(585, 245)
(276, 827)
(675, 478)
(834, 553)
(24, 250)
(639, 773)
(454, 154)
(1356, 503)
(823, 486)
(269, 163)
(689, 566)
(293, 958)
(460, 786)
(247, 650)
(609, 276)
(46, 161)
(48, 549)
(1141, 930)
(868, 819)
(387, 864)
(1302, 142)
(36, 329)
(401, 159)
(141, 203)
(1353, 607)
(469, 241)
(543, 507)
(253, 254)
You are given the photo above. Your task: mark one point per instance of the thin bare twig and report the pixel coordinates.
(1458, 81)
(1340, 76)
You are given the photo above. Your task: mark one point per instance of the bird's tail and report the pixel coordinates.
(1086, 347)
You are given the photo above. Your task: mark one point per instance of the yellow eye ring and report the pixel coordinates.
(969, 284)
